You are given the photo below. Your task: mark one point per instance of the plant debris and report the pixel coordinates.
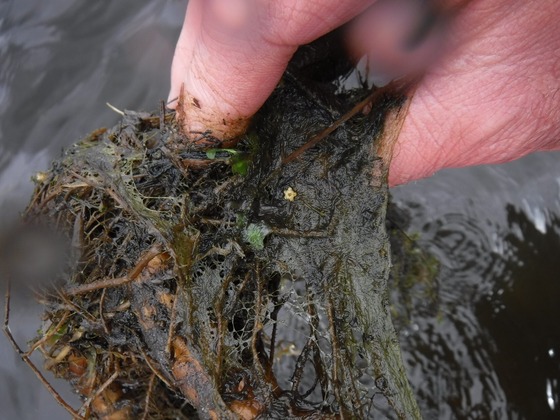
(248, 282)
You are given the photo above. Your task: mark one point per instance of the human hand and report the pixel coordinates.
(493, 97)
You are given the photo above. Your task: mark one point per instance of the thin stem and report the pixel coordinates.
(119, 281)
(27, 360)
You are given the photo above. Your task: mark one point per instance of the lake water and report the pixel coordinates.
(492, 350)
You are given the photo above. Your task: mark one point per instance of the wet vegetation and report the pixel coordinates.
(247, 282)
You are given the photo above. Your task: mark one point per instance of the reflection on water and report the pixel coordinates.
(493, 348)
(521, 312)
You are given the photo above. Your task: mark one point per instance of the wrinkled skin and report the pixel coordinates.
(492, 96)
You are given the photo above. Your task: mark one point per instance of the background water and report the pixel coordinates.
(491, 349)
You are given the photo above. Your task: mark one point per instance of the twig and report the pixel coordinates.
(162, 115)
(372, 97)
(27, 360)
(118, 111)
(119, 281)
(148, 397)
(49, 335)
(74, 307)
(101, 316)
(155, 371)
(172, 320)
(99, 390)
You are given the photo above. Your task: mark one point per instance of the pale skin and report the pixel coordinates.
(492, 97)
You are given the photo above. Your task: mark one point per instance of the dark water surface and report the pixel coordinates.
(492, 350)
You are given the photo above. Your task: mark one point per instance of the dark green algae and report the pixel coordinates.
(293, 324)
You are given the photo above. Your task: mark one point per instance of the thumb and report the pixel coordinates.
(232, 53)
